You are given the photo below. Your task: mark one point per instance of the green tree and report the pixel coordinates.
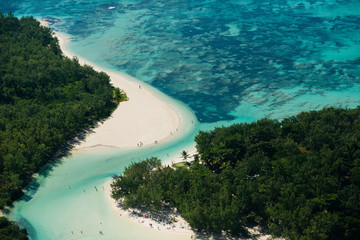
(184, 155)
(299, 178)
(45, 100)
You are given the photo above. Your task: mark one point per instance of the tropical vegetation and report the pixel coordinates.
(45, 100)
(299, 178)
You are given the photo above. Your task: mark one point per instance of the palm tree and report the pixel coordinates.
(185, 155)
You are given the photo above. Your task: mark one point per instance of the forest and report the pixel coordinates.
(46, 99)
(298, 178)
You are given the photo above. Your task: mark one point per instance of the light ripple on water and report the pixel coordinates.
(172, 45)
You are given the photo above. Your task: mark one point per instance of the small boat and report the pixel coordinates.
(111, 7)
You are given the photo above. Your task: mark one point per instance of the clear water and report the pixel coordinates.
(64, 204)
(213, 55)
(229, 61)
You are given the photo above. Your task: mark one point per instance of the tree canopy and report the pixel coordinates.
(45, 100)
(299, 178)
(9, 231)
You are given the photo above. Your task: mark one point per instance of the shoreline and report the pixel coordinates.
(145, 219)
(146, 119)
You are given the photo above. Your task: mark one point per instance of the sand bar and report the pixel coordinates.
(146, 118)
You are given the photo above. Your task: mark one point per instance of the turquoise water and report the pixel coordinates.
(229, 61)
(68, 201)
(213, 55)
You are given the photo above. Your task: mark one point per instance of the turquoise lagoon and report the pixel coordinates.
(228, 61)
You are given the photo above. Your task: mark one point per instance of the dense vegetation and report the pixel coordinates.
(45, 99)
(299, 178)
(9, 231)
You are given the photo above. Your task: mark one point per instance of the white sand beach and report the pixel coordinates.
(146, 220)
(146, 118)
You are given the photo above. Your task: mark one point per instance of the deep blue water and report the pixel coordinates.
(217, 56)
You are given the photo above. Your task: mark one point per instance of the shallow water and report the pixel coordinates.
(71, 204)
(229, 61)
(68, 199)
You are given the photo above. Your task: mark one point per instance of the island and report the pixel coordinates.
(298, 178)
